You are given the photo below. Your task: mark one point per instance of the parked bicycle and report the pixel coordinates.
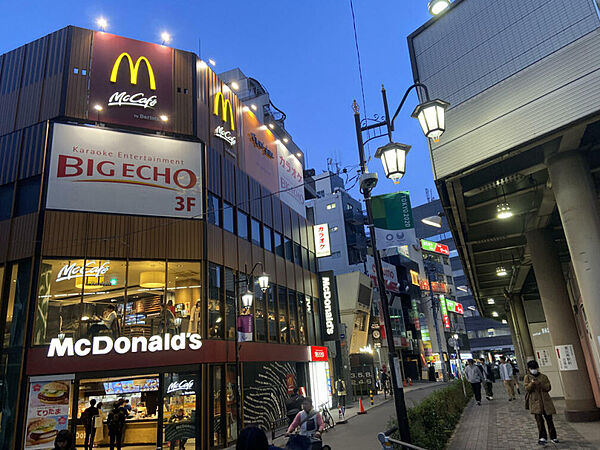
(327, 417)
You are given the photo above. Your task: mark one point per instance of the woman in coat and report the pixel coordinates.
(538, 401)
(99, 424)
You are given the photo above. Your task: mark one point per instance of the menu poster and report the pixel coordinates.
(47, 411)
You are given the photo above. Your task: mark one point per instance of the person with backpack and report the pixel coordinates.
(116, 425)
(488, 378)
(293, 404)
(88, 420)
(340, 385)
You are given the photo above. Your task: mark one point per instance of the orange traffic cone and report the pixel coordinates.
(361, 407)
(404, 383)
(410, 381)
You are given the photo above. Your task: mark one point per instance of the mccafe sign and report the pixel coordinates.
(131, 80)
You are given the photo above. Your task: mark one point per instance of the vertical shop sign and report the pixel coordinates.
(444, 309)
(291, 179)
(47, 410)
(329, 309)
(41, 311)
(322, 245)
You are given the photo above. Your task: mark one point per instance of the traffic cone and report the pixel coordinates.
(404, 383)
(410, 381)
(361, 407)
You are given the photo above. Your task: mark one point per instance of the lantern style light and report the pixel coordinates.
(247, 299)
(503, 211)
(393, 158)
(437, 6)
(263, 282)
(432, 117)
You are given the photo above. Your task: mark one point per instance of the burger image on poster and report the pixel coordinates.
(41, 431)
(54, 393)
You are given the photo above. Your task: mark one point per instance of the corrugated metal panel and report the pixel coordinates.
(64, 233)
(23, 237)
(32, 151)
(255, 198)
(215, 244)
(213, 163)
(183, 97)
(76, 103)
(4, 227)
(554, 92)
(9, 156)
(242, 190)
(10, 81)
(32, 82)
(244, 255)
(267, 206)
(277, 219)
(107, 236)
(53, 78)
(230, 250)
(228, 180)
(147, 238)
(185, 239)
(287, 222)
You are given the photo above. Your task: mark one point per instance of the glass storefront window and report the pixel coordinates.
(316, 308)
(183, 284)
(301, 320)
(279, 249)
(293, 309)
(149, 309)
(230, 293)
(259, 314)
(287, 243)
(231, 404)
(10, 307)
(267, 238)
(297, 254)
(312, 337)
(242, 225)
(215, 406)
(180, 419)
(213, 210)
(215, 301)
(283, 322)
(272, 313)
(228, 224)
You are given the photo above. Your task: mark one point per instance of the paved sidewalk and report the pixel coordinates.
(500, 424)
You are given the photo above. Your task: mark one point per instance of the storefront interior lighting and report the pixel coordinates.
(432, 117)
(247, 299)
(503, 211)
(235, 86)
(437, 6)
(491, 301)
(164, 118)
(393, 159)
(212, 62)
(98, 107)
(166, 37)
(501, 271)
(102, 23)
(152, 279)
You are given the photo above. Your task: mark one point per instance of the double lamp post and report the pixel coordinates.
(431, 116)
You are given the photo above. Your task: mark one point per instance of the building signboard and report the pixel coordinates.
(222, 109)
(392, 217)
(131, 82)
(322, 245)
(291, 179)
(329, 307)
(444, 310)
(99, 170)
(566, 357)
(390, 275)
(454, 307)
(435, 247)
(318, 353)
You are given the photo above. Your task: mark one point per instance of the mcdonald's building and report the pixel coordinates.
(140, 202)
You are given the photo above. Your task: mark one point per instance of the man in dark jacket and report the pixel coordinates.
(488, 378)
(116, 425)
(88, 421)
(293, 404)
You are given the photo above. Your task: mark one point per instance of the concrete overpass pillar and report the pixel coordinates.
(579, 397)
(516, 305)
(516, 338)
(577, 203)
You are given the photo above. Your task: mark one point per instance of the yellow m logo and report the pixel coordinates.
(133, 69)
(225, 106)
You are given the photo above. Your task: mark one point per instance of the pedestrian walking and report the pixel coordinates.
(293, 404)
(506, 374)
(515, 368)
(538, 401)
(88, 420)
(488, 378)
(116, 425)
(340, 385)
(474, 376)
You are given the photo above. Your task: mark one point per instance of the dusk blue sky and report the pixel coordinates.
(302, 52)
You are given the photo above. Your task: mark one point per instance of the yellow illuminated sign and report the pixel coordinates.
(224, 105)
(133, 69)
(414, 277)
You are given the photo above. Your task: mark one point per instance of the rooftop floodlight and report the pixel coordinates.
(102, 23)
(437, 6)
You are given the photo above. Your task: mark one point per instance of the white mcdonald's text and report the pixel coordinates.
(139, 99)
(227, 136)
(329, 325)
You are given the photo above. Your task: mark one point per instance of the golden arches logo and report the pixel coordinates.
(133, 69)
(224, 105)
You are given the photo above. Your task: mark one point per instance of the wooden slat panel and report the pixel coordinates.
(184, 67)
(270, 267)
(228, 180)
(244, 254)
(230, 250)
(107, 236)
(148, 238)
(64, 233)
(77, 85)
(10, 80)
(287, 221)
(34, 65)
(185, 239)
(53, 79)
(215, 244)
(267, 206)
(9, 156)
(280, 270)
(23, 237)
(277, 219)
(242, 190)
(32, 151)
(290, 275)
(4, 227)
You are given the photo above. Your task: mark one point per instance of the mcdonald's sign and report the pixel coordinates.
(223, 105)
(131, 80)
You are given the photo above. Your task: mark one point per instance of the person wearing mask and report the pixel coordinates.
(488, 377)
(293, 405)
(99, 424)
(506, 374)
(474, 376)
(308, 421)
(88, 419)
(64, 441)
(116, 425)
(538, 401)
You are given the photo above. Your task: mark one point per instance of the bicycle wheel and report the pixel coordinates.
(328, 419)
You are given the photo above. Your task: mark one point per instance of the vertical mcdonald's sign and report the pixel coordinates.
(131, 82)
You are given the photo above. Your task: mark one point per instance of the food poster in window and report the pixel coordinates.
(47, 411)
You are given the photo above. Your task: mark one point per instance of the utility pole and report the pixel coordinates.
(435, 305)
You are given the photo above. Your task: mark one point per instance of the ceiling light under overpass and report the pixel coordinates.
(437, 6)
(434, 221)
(501, 271)
(494, 314)
(393, 159)
(491, 301)
(503, 211)
(432, 117)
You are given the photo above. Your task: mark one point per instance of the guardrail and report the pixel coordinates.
(386, 441)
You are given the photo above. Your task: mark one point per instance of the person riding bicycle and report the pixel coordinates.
(308, 420)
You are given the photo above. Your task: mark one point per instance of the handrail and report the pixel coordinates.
(386, 441)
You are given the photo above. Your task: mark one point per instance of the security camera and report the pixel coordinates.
(368, 181)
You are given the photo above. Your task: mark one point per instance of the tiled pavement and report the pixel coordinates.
(500, 424)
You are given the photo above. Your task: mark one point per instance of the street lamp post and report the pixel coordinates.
(393, 158)
(435, 306)
(247, 300)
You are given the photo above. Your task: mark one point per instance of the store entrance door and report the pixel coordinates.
(181, 420)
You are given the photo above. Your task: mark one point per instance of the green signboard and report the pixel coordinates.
(392, 211)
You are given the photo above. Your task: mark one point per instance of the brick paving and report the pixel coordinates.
(500, 424)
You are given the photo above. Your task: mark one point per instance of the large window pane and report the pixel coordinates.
(231, 404)
(316, 307)
(215, 301)
(283, 315)
(184, 284)
(10, 306)
(272, 313)
(256, 232)
(301, 319)
(216, 406)
(229, 304)
(267, 238)
(279, 249)
(260, 315)
(148, 309)
(228, 223)
(180, 421)
(293, 309)
(297, 254)
(312, 339)
(213, 210)
(242, 225)
(289, 247)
